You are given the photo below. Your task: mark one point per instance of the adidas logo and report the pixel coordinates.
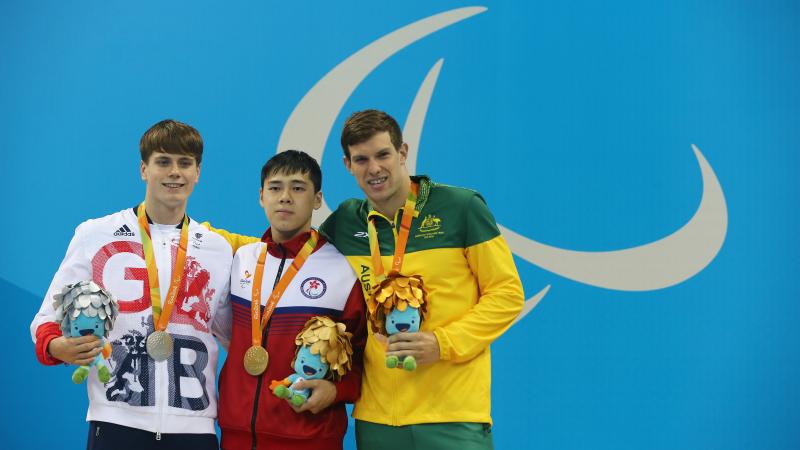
(124, 231)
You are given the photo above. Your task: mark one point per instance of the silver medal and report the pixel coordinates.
(159, 345)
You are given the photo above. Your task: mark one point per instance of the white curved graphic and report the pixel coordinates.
(412, 130)
(311, 121)
(655, 265)
(531, 303)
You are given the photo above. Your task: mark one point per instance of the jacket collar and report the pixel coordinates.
(150, 221)
(424, 191)
(290, 248)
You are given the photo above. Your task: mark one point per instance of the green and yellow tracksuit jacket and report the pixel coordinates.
(474, 295)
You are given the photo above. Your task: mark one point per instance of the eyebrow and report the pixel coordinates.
(182, 158)
(281, 182)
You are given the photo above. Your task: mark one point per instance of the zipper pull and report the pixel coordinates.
(158, 436)
(97, 431)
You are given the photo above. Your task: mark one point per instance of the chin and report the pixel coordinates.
(175, 199)
(286, 232)
(377, 194)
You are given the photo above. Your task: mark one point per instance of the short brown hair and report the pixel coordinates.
(171, 136)
(361, 126)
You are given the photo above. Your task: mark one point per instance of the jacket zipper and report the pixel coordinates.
(161, 399)
(264, 343)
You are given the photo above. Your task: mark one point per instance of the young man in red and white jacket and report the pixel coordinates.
(251, 417)
(171, 403)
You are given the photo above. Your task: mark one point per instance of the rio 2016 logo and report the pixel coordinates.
(655, 265)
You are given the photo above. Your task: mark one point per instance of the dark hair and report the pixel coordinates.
(361, 126)
(290, 162)
(171, 136)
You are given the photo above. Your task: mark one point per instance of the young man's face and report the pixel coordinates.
(379, 168)
(170, 178)
(288, 200)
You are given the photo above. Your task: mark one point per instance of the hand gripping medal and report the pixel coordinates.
(256, 357)
(159, 342)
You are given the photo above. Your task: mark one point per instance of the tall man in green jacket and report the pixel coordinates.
(473, 294)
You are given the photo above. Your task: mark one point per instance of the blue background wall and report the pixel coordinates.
(575, 122)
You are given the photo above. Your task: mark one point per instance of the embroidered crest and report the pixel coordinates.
(313, 287)
(429, 227)
(430, 223)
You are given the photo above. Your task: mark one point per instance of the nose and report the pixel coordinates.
(173, 169)
(373, 167)
(285, 196)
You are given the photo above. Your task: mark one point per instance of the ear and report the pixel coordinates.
(261, 197)
(198, 174)
(142, 168)
(403, 150)
(346, 162)
(318, 200)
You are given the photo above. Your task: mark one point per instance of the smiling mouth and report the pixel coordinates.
(87, 331)
(403, 326)
(173, 185)
(309, 371)
(377, 181)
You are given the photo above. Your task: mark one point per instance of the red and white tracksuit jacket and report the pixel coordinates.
(325, 285)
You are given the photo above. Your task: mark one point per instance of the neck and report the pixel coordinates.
(390, 206)
(165, 214)
(280, 237)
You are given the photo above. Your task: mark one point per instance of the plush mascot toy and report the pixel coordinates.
(323, 352)
(398, 305)
(85, 308)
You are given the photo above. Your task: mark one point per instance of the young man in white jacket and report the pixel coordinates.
(168, 274)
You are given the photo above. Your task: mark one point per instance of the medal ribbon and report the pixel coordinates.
(401, 238)
(257, 321)
(161, 317)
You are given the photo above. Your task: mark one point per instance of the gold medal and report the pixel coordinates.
(159, 345)
(255, 360)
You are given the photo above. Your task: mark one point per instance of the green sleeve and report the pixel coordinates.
(479, 221)
(328, 228)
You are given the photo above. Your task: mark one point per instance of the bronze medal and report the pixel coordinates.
(159, 345)
(255, 360)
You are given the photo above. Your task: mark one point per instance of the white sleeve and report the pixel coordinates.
(74, 268)
(221, 324)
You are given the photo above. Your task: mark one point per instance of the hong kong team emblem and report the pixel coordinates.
(313, 287)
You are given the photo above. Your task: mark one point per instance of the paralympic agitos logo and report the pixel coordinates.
(656, 265)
